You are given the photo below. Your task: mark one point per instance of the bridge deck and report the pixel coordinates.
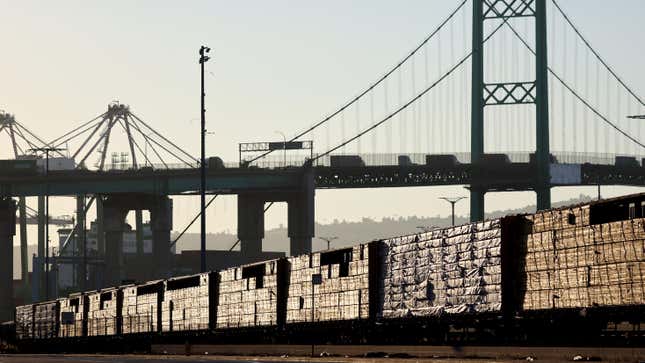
(514, 176)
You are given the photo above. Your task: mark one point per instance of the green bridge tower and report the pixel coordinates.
(510, 93)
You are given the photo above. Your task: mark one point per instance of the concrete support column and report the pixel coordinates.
(100, 230)
(40, 270)
(7, 231)
(161, 223)
(138, 221)
(302, 216)
(114, 224)
(24, 254)
(80, 248)
(250, 223)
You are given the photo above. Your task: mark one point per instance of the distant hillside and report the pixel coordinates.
(351, 233)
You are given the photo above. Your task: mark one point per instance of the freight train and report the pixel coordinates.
(572, 275)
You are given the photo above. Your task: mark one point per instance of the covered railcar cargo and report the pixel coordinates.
(594, 256)
(103, 312)
(73, 316)
(46, 315)
(25, 322)
(344, 289)
(251, 295)
(140, 312)
(187, 303)
(452, 270)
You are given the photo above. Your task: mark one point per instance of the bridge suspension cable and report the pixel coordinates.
(411, 101)
(595, 53)
(373, 85)
(576, 94)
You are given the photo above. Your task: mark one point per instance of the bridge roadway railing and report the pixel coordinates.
(388, 159)
(393, 159)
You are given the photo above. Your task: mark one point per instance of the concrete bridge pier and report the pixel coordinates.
(114, 213)
(161, 224)
(302, 215)
(80, 247)
(250, 223)
(115, 209)
(7, 231)
(301, 212)
(39, 271)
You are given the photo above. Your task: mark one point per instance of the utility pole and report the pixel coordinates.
(328, 240)
(46, 150)
(452, 202)
(203, 58)
(637, 117)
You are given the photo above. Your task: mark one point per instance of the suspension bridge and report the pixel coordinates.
(502, 95)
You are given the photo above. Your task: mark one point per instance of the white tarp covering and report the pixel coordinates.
(453, 270)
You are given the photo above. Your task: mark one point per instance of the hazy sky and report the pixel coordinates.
(277, 65)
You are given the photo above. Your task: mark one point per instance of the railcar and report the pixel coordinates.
(563, 275)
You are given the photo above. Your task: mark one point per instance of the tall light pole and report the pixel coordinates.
(284, 147)
(46, 150)
(328, 240)
(203, 58)
(637, 117)
(452, 202)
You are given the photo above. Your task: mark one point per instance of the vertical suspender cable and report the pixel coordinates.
(585, 111)
(375, 134)
(574, 104)
(439, 103)
(451, 84)
(597, 129)
(401, 117)
(619, 116)
(515, 123)
(414, 107)
(508, 71)
(388, 128)
(607, 95)
(342, 130)
(488, 71)
(632, 148)
(327, 131)
(463, 116)
(427, 119)
(358, 126)
(564, 100)
(526, 74)
(552, 45)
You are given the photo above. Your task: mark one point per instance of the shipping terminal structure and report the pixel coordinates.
(571, 275)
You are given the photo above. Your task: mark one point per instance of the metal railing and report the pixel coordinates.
(395, 159)
(386, 159)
